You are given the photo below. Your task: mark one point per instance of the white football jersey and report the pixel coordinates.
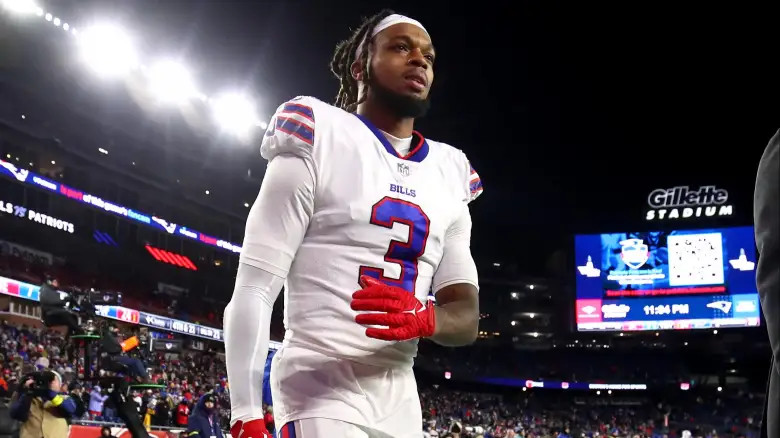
(375, 214)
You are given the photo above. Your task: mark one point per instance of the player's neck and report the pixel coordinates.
(383, 120)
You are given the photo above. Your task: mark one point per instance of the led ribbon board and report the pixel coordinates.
(27, 177)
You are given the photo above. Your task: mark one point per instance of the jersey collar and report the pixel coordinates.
(416, 154)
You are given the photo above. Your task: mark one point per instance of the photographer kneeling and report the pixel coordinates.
(54, 310)
(41, 409)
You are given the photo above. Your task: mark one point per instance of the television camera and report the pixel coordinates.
(97, 342)
(85, 302)
(41, 382)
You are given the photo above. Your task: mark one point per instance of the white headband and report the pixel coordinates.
(386, 22)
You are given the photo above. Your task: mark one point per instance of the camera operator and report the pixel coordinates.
(54, 310)
(113, 348)
(40, 407)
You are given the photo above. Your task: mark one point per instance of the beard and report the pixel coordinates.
(401, 105)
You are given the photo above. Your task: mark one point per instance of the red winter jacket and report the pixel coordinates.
(182, 414)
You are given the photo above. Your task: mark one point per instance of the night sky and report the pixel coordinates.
(572, 112)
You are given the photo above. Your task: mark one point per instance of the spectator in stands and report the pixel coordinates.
(162, 413)
(105, 432)
(96, 402)
(182, 413)
(3, 388)
(204, 421)
(76, 394)
(43, 412)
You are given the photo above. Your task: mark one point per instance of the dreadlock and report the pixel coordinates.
(344, 56)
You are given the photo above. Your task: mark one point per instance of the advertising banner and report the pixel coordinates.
(26, 253)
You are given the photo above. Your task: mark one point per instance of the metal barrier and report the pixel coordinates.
(91, 429)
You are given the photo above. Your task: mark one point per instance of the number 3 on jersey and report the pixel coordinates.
(386, 213)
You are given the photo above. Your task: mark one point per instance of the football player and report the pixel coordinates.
(360, 218)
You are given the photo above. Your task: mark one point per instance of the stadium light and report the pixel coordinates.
(56, 21)
(171, 82)
(235, 113)
(20, 6)
(108, 50)
(720, 389)
(246, 204)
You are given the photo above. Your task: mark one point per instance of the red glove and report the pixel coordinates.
(250, 429)
(404, 315)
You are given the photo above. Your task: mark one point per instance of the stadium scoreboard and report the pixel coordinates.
(666, 280)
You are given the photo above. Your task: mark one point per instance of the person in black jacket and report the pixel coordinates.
(766, 203)
(112, 347)
(53, 308)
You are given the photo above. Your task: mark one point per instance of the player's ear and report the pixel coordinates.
(356, 69)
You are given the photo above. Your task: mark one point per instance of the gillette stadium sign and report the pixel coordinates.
(682, 202)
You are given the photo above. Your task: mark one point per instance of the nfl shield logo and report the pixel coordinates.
(635, 253)
(403, 169)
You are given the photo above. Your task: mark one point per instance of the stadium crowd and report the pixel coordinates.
(190, 375)
(566, 415)
(187, 377)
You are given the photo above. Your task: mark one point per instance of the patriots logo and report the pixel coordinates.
(634, 253)
(723, 306)
(19, 174)
(170, 228)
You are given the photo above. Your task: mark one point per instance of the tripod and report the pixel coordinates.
(118, 386)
